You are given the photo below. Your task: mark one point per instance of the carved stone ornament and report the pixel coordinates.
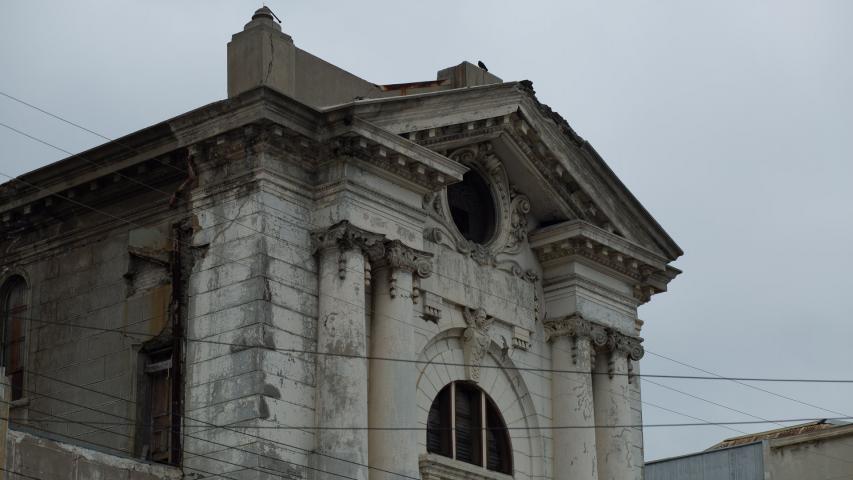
(511, 206)
(400, 257)
(476, 340)
(603, 339)
(344, 236)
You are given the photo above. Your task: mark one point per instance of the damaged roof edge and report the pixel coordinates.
(145, 144)
(562, 129)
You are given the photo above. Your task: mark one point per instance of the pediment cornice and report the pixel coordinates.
(587, 187)
(647, 270)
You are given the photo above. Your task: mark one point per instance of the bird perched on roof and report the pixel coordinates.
(482, 65)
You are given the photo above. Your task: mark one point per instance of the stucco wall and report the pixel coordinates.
(38, 457)
(823, 455)
(90, 289)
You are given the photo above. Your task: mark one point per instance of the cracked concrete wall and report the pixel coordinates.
(45, 458)
(254, 290)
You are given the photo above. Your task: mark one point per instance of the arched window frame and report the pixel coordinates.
(14, 305)
(490, 447)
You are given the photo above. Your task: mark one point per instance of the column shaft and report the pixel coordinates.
(612, 414)
(574, 449)
(341, 414)
(393, 385)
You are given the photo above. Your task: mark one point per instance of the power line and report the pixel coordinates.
(738, 411)
(229, 220)
(704, 423)
(101, 445)
(112, 448)
(451, 364)
(233, 429)
(740, 382)
(419, 428)
(10, 97)
(20, 474)
(717, 377)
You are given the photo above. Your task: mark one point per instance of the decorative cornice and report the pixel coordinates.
(566, 162)
(649, 272)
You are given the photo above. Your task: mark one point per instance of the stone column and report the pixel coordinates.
(393, 385)
(614, 438)
(341, 415)
(572, 398)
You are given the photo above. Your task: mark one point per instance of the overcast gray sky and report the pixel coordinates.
(730, 121)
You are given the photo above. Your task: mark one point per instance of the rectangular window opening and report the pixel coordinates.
(158, 436)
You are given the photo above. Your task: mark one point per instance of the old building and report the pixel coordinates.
(320, 277)
(820, 450)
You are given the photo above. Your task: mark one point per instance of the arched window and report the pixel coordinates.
(13, 300)
(465, 424)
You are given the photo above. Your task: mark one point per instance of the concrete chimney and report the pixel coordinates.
(467, 74)
(261, 55)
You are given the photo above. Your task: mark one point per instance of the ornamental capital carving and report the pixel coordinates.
(571, 326)
(399, 256)
(345, 237)
(476, 340)
(630, 346)
(602, 338)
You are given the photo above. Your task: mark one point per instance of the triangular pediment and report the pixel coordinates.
(562, 174)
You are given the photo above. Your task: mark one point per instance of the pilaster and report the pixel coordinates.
(572, 355)
(342, 370)
(612, 379)
(393, 385)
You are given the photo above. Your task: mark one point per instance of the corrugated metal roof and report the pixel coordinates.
(777, 433)
(744, 462)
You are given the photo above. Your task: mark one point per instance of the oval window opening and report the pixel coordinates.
(472, 207)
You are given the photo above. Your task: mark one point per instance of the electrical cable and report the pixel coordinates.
(737, 379)
(19, 474)
(457, 364)
(121, 452)
(740, 382)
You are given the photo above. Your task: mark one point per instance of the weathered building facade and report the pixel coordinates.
(816, 450)
(320, 277)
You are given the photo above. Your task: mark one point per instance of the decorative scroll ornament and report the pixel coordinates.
(400, 257)
(571, 326)
(519, 208)
(511, 206)
(476, 340)
(344, 236)
(630, 346)
(602, 338)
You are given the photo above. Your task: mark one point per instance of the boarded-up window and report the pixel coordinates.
(465, 424)
(14, 311)
(158, 415)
